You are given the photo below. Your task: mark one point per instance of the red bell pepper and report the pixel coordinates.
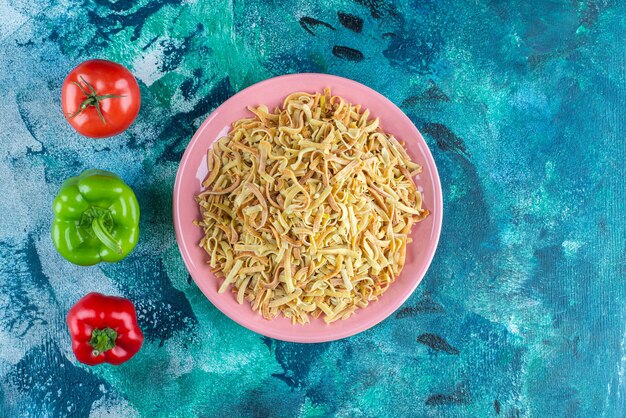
(104, 329)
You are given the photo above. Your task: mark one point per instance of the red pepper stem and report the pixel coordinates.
(104, 235)
(102, 340)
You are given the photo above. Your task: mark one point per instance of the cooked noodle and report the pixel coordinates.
(307, 209)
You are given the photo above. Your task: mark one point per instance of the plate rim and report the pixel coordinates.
(359, 327)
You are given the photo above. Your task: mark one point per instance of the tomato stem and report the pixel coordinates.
(91, 99)
(80, 86)
(97, 104)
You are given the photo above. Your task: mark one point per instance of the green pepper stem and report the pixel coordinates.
(102, 340)
(105, 236)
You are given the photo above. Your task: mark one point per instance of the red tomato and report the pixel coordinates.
(100, 98)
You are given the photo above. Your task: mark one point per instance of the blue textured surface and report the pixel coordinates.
(522, 312)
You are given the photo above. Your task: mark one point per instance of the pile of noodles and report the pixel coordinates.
(307, 209)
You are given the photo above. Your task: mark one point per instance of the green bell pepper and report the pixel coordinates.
(96, 218)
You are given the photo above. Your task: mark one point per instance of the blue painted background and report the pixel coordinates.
(522, 313)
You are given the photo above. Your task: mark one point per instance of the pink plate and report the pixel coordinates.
(193, 170)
